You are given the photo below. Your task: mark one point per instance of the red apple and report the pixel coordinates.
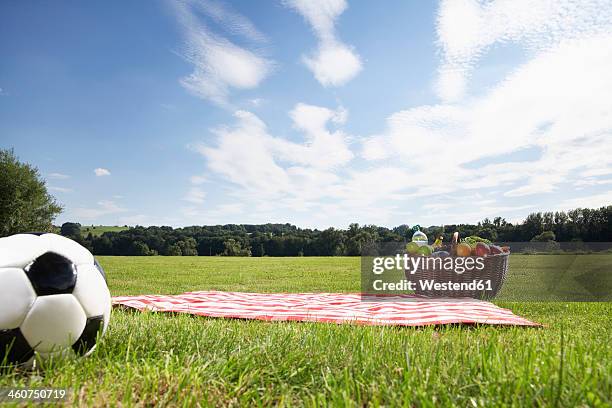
(482, 249)
(495, 249)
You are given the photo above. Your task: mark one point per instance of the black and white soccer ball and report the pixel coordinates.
(53, 299)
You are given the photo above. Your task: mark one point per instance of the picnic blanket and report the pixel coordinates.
(401, 310)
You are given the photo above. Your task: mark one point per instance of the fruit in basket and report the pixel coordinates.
(472, 240)
(412, 248)
(464, 249)
(425, 250)
(438, 242)
(482, 249)
(506, 249)
(440, 254)
(495, 249)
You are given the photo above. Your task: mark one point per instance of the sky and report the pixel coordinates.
(317, 113)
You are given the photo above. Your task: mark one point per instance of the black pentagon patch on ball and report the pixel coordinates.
(14, 348)
(100, 269)
(52, 274)
(89, 336)
(35, 233)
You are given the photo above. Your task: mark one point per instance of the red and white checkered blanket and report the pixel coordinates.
(403, 310)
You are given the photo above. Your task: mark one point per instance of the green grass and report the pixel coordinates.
(98, 230)
(158, 359)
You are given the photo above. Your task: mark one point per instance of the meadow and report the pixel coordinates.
(157, 359)
(97, 230)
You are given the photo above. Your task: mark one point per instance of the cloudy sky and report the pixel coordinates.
(313, 112)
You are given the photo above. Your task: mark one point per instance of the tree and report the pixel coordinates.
(330, 242)
(141, 249)
(532, 225)
(72, 230)
(174, 250)
(25, 204)
(546, 236)
(188, 247)
(234, 248)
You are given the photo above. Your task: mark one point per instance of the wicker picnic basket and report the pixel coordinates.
(494, 270)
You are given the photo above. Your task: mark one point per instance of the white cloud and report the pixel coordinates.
(243, 155)
(467, 29)
(100, 172)
(232, 22)
(226, 213)
(271, 172)
(592, 182)
(104, 207)
(557, 102)
(60, 189)
(333, 63)
(197, 180)
(445, 162)
(590, 201)
(219, 64)
(247, 155)
(195, 195)
(256, 102)
(57, 176)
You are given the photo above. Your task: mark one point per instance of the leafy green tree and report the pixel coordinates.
(139, 248)
(546, 236)
(72, 230)
(102, 245)
(188, 247)
(358, 237)
(174, 250)
(25, 204)
(331, 242)
(234, 248)
(533, 225)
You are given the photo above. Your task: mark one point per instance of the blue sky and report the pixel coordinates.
(318, 113)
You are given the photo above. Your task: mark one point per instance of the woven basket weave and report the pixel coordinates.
(495, 269)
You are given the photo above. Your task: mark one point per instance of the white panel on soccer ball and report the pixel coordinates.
(16, 297)
(70, 249)
(17, 251)
(53, 323)
(91, 291)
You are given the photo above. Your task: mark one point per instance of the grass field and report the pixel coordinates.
(155, 359)
(97, 230)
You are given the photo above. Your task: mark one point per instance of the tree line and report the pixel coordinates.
(582, 224)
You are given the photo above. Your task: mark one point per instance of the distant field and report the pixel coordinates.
(531, 277)
(98, 230)
(156, 359)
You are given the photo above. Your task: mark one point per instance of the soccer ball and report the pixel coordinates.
(53, 299)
